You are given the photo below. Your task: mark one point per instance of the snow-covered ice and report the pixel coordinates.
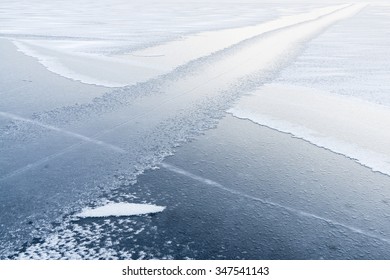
(345, 125)
(120, 209)
(65, 59)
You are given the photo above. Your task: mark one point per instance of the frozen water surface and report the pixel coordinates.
(68, 140)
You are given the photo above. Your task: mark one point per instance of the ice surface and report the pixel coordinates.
(298, 212)
(61, 156)
(147, 121)
(346, 125)
(120, 209)
(69, 133)
(289, 192)
(27, 88)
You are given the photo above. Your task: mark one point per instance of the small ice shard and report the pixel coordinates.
(120, 209)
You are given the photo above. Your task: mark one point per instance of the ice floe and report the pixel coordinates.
(120, 209)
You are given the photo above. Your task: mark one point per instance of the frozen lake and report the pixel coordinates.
(180, 122)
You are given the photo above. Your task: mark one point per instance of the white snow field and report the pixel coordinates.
(95, 93)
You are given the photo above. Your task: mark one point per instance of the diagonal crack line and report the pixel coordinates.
(298, 212)
(63, 131)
